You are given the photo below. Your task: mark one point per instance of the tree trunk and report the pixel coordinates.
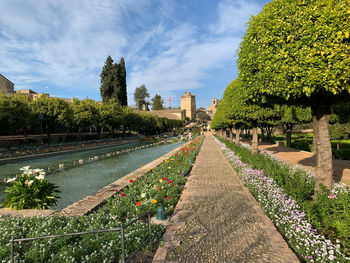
(269, 132)
(289, 129)
(324, 168)
(238, 134)
(231, 134)
(255, 140)
(262, 134)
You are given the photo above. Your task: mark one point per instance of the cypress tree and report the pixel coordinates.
(107, 80)
(122, 98)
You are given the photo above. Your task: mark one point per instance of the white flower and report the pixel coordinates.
(30, 182)
(25, 168)
(37, 170)
(10, 180)
(40, 176)
(143, 195)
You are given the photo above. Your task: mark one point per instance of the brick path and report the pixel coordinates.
(217, 220)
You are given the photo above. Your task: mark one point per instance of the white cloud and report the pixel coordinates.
(65, 43)
(233, 15)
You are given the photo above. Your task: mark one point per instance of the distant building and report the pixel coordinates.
(188, 103)
(6, 86)
(212, 108)
(174, 114)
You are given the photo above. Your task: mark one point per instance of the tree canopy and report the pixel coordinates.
(157, 102)
(113, 81)
(140, 96)
(298, 52)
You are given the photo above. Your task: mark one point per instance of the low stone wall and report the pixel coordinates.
(96, 200)
(42, 155)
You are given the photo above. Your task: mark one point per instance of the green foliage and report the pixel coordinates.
(15, 113)
(31, 191)
(121, 73)
(157, 102)
(235, 111)
(329, 213)
(140, 96)
(113, 81)
(297, 50)
(118, 210)
(108, 75)
(202, 115)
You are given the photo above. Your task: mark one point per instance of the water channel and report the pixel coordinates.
(99, 168)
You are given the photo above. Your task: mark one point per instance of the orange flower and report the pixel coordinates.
(138, 203)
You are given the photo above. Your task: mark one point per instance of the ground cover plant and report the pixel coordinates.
(317, 230)
(162, 184)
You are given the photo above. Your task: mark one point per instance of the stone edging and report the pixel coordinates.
(41, 155)
(173, 227)
(92, 202)
(275, 239)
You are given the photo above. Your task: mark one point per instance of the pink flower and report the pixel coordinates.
(331, 196)
(168, 197)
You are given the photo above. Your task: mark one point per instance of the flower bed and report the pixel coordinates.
(286, 213)
(163, 185)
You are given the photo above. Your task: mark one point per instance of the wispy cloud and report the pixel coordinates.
(64, 43)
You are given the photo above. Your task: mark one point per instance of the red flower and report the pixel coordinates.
(172, 185)
(122, 194)
(163, 178)
(168, 197)
(182, 164)
(137, 178)
(138, 203)
(116, 190)
(144, 181)
(130, 181)
(159, 188)
(170, 181)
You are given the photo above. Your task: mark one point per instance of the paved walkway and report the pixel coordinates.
(217, 220)
(308, 159)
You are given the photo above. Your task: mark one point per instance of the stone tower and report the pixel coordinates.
(212, 108)
(188, 103)
(6, 86)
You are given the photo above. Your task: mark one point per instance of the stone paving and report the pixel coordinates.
(218, 220)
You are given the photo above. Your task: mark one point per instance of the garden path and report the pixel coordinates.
(308, 159)
(218, 220)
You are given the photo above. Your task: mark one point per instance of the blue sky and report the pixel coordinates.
(59, 47)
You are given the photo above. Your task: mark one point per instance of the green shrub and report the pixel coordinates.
(31, 191)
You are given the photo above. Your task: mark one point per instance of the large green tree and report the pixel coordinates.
(121, 75)
(113, 81)
(298, 52)
(108, 78)
(140, 96)
(157, 102)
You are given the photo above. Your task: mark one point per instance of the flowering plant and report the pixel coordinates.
(288, 216)
(31, 191)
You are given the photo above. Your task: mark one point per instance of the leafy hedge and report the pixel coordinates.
(329, 213)
(128, 203)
